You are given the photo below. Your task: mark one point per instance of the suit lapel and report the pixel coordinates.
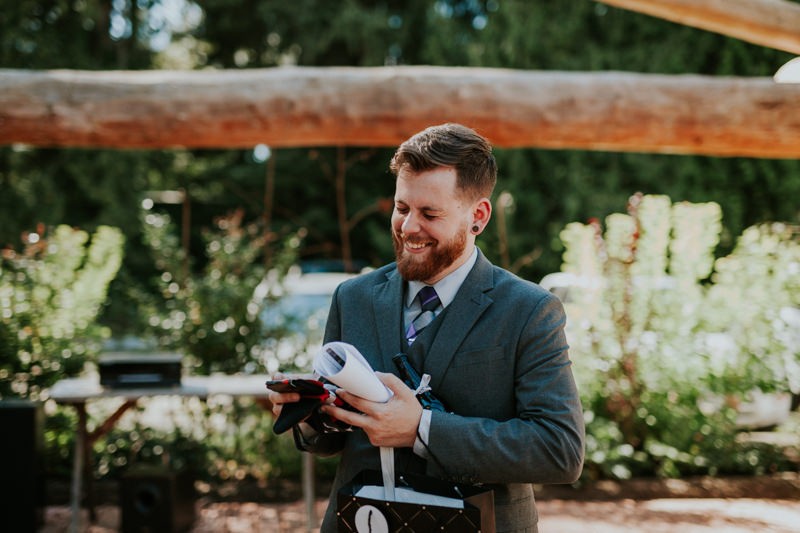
(462, 314)
(387, 306)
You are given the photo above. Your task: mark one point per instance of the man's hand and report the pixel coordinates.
(277, 399)
(391, 424)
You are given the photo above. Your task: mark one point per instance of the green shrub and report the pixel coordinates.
(756, 299)
(667, 341)
(212, 315)
(50, 295)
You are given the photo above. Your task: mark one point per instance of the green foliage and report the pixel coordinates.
(662, 348)
(89, 34)
(218, 440)
(213, 316)
(550, 188)
(756, 295)
(206, 288)
(226, 443)
(50, 295)
(59, 439)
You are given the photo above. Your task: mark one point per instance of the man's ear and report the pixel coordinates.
(481, 213)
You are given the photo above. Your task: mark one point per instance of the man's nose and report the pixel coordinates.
(410, 224)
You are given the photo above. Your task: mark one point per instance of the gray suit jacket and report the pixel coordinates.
(498, 358)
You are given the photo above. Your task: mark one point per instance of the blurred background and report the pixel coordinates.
(681, 274)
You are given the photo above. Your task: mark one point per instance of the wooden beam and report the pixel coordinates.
(771, 23)
(382, 106)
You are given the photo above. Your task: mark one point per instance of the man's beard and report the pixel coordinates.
(438, 258)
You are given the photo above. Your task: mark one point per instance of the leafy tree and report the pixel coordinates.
(550, 188)
(300, 190)
(50, 295)
(90, 34)
(214, 316)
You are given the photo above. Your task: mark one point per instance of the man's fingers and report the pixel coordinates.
(277, 400)
(345, 415)
(394, 383)
(355, 401)
(284, 397)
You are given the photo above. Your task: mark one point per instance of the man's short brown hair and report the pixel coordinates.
(451, 145)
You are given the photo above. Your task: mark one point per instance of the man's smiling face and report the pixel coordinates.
(430, 224)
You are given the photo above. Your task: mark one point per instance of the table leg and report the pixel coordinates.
(308, 491)
(88, 473)
(82, 471)
(77, 469)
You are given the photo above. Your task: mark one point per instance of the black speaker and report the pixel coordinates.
(155, 499)
(21, 465)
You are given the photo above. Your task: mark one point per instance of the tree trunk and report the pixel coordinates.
(299, 106)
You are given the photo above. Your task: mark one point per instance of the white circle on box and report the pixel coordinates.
(370, 520)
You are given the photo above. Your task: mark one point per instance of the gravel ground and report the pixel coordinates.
(769, 503)
(685, 515)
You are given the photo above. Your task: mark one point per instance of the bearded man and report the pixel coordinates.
(493, 344)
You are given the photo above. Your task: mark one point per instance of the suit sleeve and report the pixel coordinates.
(542, 441)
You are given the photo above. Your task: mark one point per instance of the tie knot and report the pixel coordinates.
(428, 298)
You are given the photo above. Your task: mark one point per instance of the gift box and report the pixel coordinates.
(421, 504)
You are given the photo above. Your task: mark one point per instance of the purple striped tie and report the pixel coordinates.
(429, 301)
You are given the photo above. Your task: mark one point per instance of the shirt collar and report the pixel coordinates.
(448, 286)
